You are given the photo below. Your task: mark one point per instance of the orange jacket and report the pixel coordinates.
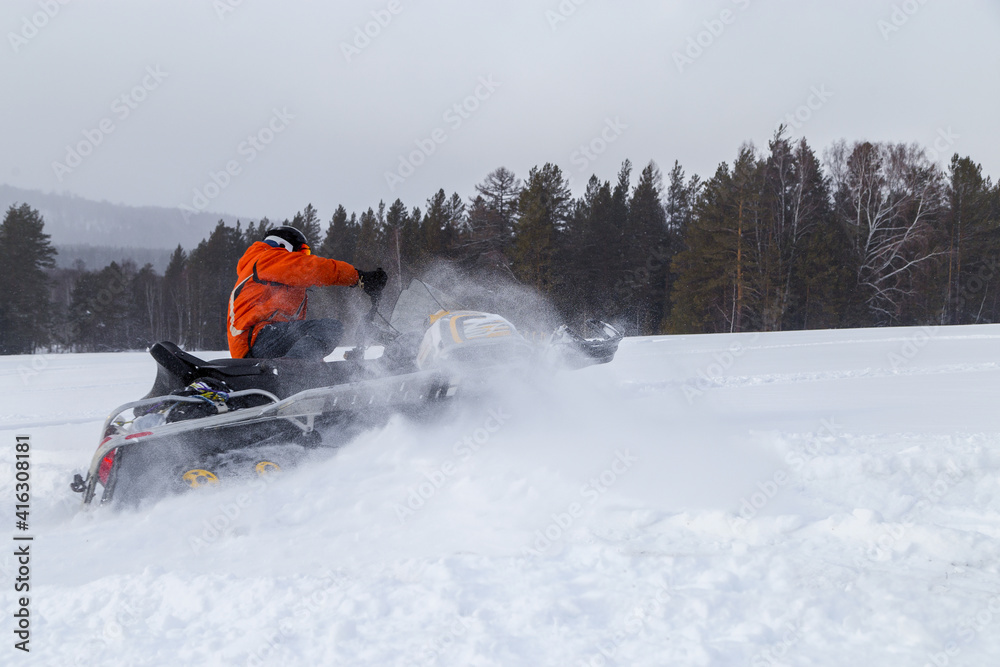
(271, 287)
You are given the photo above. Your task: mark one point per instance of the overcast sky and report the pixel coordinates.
(258, 107)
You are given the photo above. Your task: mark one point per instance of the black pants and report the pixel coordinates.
(301, 339)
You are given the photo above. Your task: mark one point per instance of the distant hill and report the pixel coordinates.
(75, 221)
(97, 257)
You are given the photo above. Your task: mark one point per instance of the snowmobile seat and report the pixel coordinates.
(176, 369)
(188, 367)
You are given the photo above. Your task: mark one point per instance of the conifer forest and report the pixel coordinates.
(780, 238)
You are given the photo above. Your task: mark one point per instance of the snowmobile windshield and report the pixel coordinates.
(416, 304)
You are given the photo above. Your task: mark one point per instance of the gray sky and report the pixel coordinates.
(153, 98)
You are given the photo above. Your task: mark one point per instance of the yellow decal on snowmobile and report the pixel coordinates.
(438, 315)
(487, 330)
(454, 328)
(266, 468)
(476, 325)
(198, 477)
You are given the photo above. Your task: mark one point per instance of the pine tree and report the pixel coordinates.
(25, 303)
(482, 220)
(255, 231)
(146, 308)
(435, 225)
(794, 203)
(710, 293)
(678, 207)
(615, 246)
(339, 243)
(817, 279)
(456, 230)
(176, 297)
(307, 222)
(619, 213)
(496, 217)
(649, 243)
(212, 274)
(85, 320)
(63, 281)
(397, 229)
(973, 248)
(544, 205)
(341, 237)
(589, 267)
(367, 251)
(680, 200)
(102, 310)
(747, 184)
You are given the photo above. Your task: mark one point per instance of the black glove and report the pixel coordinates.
(372, 282)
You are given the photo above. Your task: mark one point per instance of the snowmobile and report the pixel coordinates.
(205, 421)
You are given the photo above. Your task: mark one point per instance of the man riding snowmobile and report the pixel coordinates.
(267, 307)
(206, 421)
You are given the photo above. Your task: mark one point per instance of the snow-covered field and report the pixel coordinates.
(808, 498)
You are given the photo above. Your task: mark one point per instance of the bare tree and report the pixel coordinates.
(889, 196)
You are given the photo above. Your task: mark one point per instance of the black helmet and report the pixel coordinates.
(286, 237)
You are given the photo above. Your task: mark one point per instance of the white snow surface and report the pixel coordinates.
(804, 498)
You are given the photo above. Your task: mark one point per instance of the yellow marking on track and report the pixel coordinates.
(197, 478)
(267, 468)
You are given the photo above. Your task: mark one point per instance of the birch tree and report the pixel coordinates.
(889, 198)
